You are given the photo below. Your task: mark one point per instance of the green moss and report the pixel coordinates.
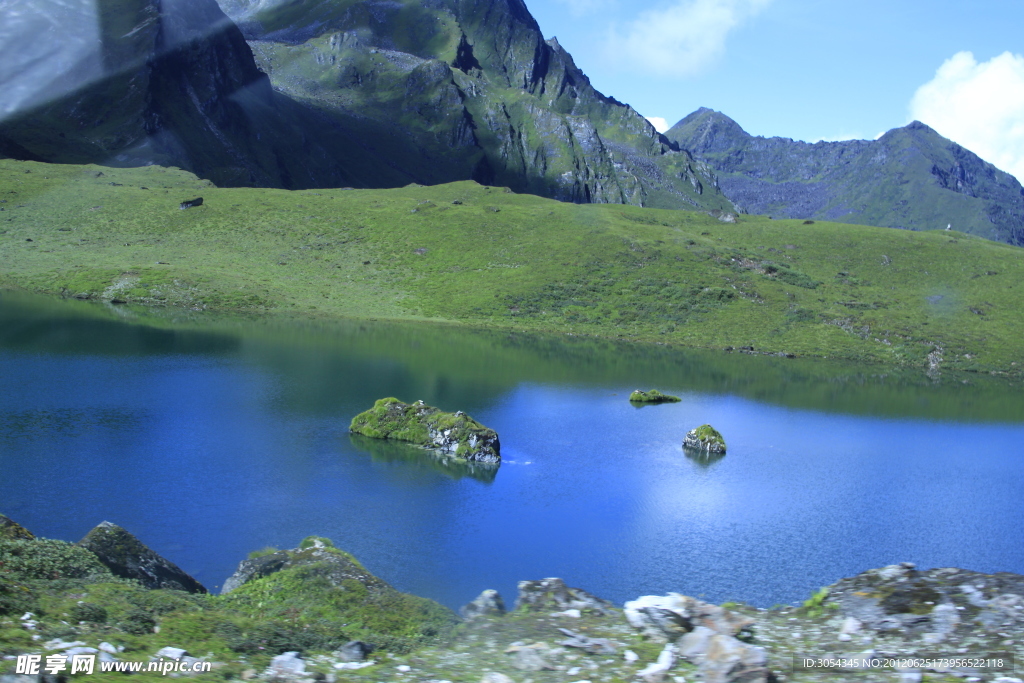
(47, 559)
(262, 552)
(652, 396)
(429, 427)
(815, 605)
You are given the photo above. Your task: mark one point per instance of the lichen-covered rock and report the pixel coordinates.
(553, 595)
(453, 434)
(652, 396)
(488, 603)
(12, 531)
(934, 606)
(127, 557)
(704, 438)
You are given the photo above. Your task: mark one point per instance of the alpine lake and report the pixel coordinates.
(210, 436)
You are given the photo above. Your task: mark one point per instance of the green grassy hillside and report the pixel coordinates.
(481, 255)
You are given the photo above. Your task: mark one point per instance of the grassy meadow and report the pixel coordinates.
(469, 254)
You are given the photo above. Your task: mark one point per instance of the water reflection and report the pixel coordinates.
(415, 458)
(702, 458)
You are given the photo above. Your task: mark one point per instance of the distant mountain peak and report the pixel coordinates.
(910, 177)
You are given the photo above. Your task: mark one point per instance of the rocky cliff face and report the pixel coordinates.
(457, 89)
(360, 93)
(911, 178)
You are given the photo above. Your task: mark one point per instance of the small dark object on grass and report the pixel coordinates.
(366, 263)
(198, 201)
(808, 222)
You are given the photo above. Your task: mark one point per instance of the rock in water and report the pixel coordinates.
(12, 531)
(454, 434)
(704, 438)
(652, 396)
(127, 557)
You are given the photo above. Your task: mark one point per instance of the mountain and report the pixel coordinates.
(330, 93)
(911, 177)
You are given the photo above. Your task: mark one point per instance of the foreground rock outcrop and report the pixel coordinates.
(314, 613)
(127, 557)
(450, 434)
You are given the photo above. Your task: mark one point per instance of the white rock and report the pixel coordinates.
(630, 656)
(1007, 679)
(58, 644)
(845, 637)
(495, 677)
(354, 665)
(26, 616)
(851, 625)
(404, 668)
(171, 652)
(695, 643)
(287, 664)
(573, 671)
(910, 677)
(574, 613)
(107, 647)
(655, 673)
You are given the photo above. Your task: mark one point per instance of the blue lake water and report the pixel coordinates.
(210, 439)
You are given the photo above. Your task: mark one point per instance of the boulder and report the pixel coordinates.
(334, 564)
(451, 434)
(552, 595)
(727, 660)
(669, 617)
(488, 603)
(704, 438)
(652, 396)
(934, 605)
(353, 651)
(198, 201)
(12, 531)
(127, 557)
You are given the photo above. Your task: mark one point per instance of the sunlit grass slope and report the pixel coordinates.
(472, 254)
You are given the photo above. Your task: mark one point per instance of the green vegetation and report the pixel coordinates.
(319, 601)
(652, 396)
(815, 606)
(454, 433)
(705, 438)
(673, 277)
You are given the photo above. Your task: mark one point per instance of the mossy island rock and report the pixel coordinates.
(652, 396)
(127, 557)
(450, 434)
(705, 438)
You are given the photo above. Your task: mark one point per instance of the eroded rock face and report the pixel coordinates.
(450, 434)
(127, 557)
(552, 595)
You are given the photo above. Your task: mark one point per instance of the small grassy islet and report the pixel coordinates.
(483, 256)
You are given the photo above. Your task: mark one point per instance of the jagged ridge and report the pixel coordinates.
(911, 177)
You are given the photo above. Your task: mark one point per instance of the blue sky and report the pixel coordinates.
(811, 69)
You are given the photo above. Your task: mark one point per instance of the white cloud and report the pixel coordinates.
(660, 124)
(979, 106)
(682, 38)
